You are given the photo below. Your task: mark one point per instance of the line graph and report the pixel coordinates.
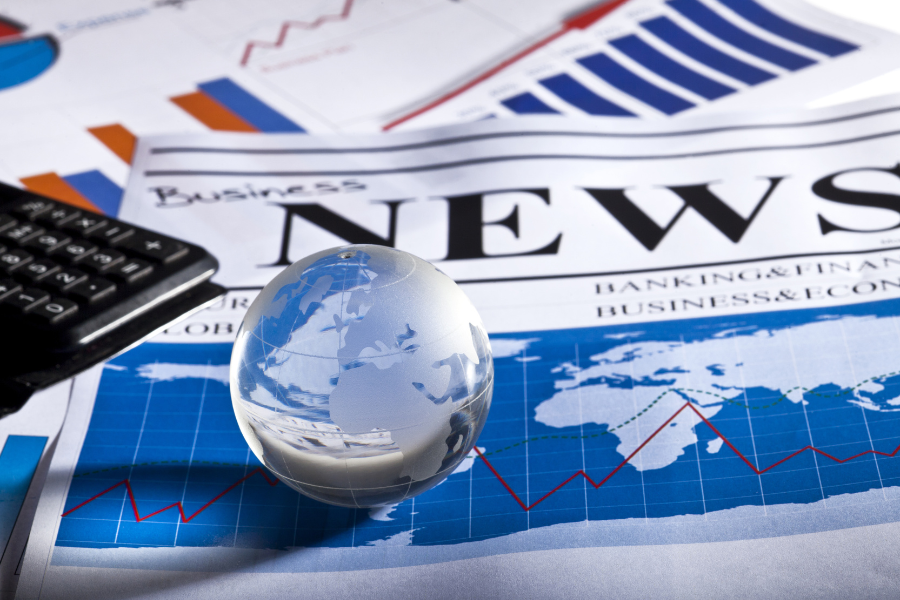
(288, 25)
(191, 481)
(184, 518)
(597, 485)
(526, 507)
(582, 20)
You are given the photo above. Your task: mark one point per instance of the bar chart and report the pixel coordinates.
(655, 59)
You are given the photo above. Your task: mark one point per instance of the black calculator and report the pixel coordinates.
(77, 288)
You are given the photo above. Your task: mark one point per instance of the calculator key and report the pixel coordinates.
(63, 280)
(155, 247)
(21, 233)
(25, 300)
(7, 287)
(91, 290)
(112, 233)
(13, 259)
(32, 208)
(74, 251)
(130, 270)
(37, 270)
(47, 241)
(85, 224)
(6, 222)
(102, 260)
(54, 311)
(61, 214)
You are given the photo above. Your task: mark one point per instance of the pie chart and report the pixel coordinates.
(22, 58)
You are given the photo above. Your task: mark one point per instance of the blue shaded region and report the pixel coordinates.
(576, 94)
(528, 104)
(99, 189)
(762, 17)
(734, 35)
(249, 107)
(165, 415)
(21, 61)
(669, 32)
(618, 76)
(18, 462)
(648, 56)
(148, 431)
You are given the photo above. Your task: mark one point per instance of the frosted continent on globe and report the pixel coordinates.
(361, 376)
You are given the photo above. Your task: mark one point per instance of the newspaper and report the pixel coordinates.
(695, 335)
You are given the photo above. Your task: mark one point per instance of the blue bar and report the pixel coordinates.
(669, 32)
(769, 21)
(573, 92)
(99, 189)
(528, 104)
(18, 462)
(724, 30)
(645, 54)
(618, 76)
(249, 107)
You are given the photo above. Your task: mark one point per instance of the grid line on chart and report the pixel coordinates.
(587, 516)
(740, 368)
(637, 425)
(137, 447)
(862, 410)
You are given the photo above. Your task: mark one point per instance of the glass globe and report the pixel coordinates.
(361, 376)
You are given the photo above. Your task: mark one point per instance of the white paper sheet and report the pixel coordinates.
(678, 377)
(335, 63)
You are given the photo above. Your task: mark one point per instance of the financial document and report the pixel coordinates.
(77, 88)
(659, 59)
(697, 367)
(26, 445)
(77, 85)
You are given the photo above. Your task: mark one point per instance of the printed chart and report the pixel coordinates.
(711, 421)
(649, 59)
(23, 58)
(220, 105)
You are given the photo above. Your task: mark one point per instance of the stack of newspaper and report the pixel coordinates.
(692, 284)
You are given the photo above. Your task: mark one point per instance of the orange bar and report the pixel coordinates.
(211, 113)
(116, 138)
(54, 186)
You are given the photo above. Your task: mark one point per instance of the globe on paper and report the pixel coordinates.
(361, 376)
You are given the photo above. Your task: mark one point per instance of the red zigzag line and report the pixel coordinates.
(597, 485)
(287, 25)
(184, 518)
(525, 507)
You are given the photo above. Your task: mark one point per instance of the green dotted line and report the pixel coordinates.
(695, 391)
(163, 462)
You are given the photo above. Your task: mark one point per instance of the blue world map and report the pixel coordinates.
(746, 417)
